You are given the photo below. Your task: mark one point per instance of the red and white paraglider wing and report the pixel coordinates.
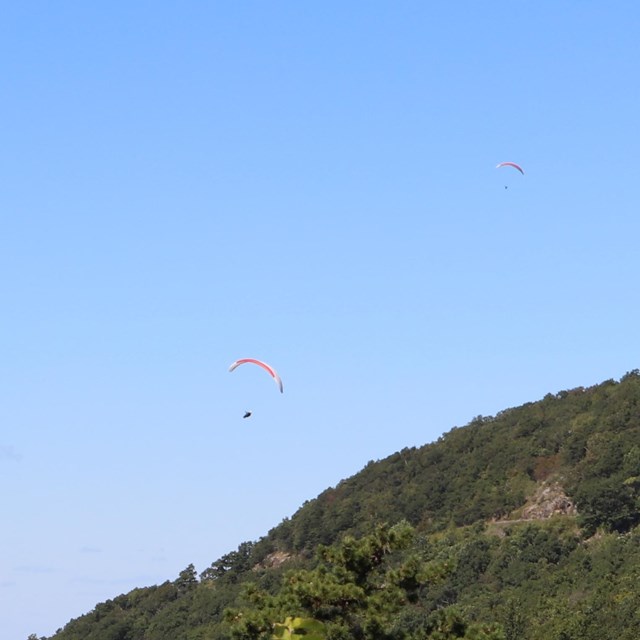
(511, 164)
(270, 370)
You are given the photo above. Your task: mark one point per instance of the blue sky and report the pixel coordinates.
(312, 184)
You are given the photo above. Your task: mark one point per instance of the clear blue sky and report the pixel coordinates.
(313, 184)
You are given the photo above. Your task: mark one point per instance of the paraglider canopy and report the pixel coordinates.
(270, 370)
(510, 164)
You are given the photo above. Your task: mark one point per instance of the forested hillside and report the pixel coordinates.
(522, 525)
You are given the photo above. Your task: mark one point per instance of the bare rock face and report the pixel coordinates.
(274, 559)
(548, 500)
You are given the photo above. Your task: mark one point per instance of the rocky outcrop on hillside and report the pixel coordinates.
(274, 559)
(548, 500)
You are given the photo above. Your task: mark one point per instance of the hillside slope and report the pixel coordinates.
(588, 439)
(531, 514)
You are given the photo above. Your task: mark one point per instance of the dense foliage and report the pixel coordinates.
(472, 556)
(359, 589)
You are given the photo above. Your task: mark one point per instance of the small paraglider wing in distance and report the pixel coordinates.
(510, 164)
(270, 370)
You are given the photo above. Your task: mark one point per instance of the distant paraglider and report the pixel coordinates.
(510, 164)
(270, 370)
